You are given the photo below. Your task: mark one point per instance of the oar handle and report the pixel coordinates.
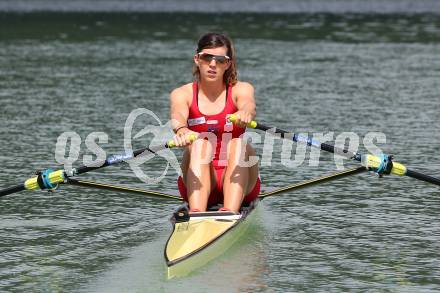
(172, 144)
(232, 118)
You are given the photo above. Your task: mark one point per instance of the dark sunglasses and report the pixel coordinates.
(218, 58)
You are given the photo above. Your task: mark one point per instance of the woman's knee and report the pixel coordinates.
(241, 153)
(201, 151)
(236, 150)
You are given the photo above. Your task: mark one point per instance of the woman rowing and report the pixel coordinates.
(201, 108)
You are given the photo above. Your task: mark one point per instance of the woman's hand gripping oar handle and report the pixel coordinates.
(233, 119)
(172, 144)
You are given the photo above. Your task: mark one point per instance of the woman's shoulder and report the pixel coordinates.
(186, 88)
(184, 91)
(243, 88)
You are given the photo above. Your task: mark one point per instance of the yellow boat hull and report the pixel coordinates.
(198, 238)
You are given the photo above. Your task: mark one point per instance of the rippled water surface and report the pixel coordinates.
(85, 72)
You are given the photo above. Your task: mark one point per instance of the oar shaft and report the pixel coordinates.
(310, 141)
(118, 158)
(423, 177)
(12, 189)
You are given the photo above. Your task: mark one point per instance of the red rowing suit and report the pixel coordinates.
(221, 130)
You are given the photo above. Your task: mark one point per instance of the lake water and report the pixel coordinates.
(86, 72)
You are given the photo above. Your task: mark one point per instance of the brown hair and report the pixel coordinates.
(215, 40)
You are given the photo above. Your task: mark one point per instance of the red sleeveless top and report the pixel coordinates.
(215, 124)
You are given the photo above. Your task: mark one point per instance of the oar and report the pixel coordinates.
(49, 179)
(384, 164)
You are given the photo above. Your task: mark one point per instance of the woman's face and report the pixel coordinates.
(212, 63)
